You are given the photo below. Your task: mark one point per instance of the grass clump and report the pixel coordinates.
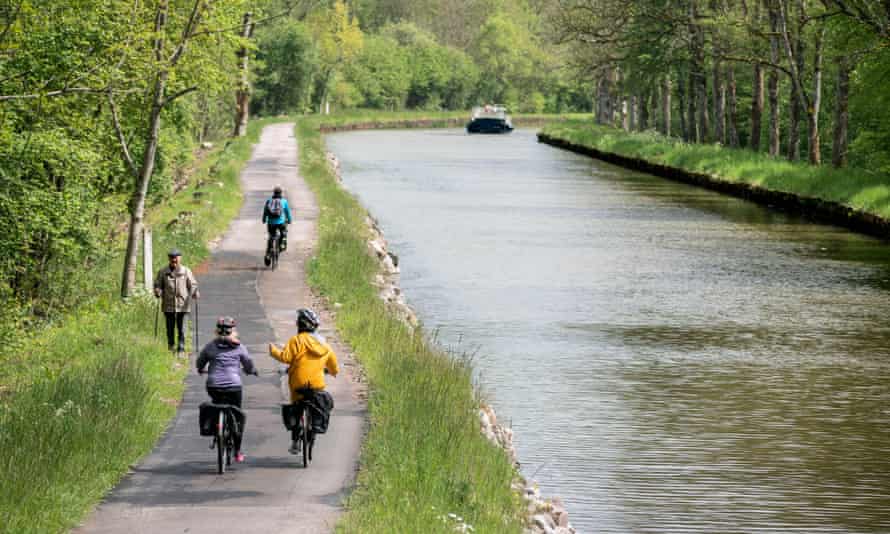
(856, 188)
(424, 456)
(92, 392)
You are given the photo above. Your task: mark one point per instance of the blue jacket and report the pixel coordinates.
(282, 219)
(225, 358)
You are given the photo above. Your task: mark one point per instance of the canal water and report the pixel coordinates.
(670, 359)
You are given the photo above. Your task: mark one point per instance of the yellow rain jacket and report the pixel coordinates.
(307, 354)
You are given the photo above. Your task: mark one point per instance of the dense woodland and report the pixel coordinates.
(103, 103)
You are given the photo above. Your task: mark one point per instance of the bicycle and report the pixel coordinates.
(307, 436)
(224, 438)
(275, 249)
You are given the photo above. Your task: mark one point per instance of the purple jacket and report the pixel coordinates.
(225, 359)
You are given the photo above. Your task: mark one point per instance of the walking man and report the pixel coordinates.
(175, 285)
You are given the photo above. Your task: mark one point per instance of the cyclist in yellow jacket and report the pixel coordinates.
(308, 356)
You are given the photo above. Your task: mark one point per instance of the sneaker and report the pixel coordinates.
(283, 244)
(294, 447)
(267, 260)
(239, 458)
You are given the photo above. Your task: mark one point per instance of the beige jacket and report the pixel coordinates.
(177, 287)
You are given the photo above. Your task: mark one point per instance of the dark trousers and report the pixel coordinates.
(175, 319)
(230, 396)
(272, 230)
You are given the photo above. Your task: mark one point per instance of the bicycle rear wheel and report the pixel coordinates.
(304, 420)
(275, 252)
(221, 443)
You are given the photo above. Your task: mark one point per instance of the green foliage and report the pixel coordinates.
(288, 63)
(870, 114)
(381, 73)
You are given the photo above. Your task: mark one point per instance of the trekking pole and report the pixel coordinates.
(157, 313)
(196, 326)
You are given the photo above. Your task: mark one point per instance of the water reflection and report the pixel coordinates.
(671, 360)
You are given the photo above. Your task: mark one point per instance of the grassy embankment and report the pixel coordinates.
(855, 188)
(91, 394)
(424, 456)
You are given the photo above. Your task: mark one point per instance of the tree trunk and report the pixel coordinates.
(773, 82)
(681, 108)
(691, 125)
(815, 103)
(756, 108)
(601, 99)
(701, 87)
(666, 106)
(841, 116)
(732, 104)
(625, 115)
(137, 200)
(242, 95)
(615, 103)
(796, 105)
(719, 96)
(644, 109)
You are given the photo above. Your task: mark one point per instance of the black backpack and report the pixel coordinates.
(274, 207)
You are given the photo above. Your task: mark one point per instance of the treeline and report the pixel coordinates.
(414, 54)
(770, 75)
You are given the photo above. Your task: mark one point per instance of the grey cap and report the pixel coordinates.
(173, 253)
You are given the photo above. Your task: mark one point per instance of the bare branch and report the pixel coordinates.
(178, 94)
(120, 136)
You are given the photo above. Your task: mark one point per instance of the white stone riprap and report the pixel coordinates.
(543, 516)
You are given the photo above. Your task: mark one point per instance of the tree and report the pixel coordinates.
(339, 40)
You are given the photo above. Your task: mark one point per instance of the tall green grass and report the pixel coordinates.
(424, 456)
(92, 393)
(856, 188)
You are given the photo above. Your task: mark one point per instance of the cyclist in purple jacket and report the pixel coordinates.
(224, 357)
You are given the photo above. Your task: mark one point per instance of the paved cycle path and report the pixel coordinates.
(176, 488)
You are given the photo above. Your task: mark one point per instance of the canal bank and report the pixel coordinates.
(821, 202)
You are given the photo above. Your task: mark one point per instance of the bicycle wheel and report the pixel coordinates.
(221, 442)
(275, 253)
(304, 420)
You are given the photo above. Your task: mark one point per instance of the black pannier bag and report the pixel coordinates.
(208, 416)
(319, 406)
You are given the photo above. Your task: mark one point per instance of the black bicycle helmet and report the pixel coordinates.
(225, 325)
(307, 320)
(277, 191)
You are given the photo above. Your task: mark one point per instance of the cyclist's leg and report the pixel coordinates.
(271, 230)
(282, 229)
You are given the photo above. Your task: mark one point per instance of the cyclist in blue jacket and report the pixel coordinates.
(276, 216)
(224, 357)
